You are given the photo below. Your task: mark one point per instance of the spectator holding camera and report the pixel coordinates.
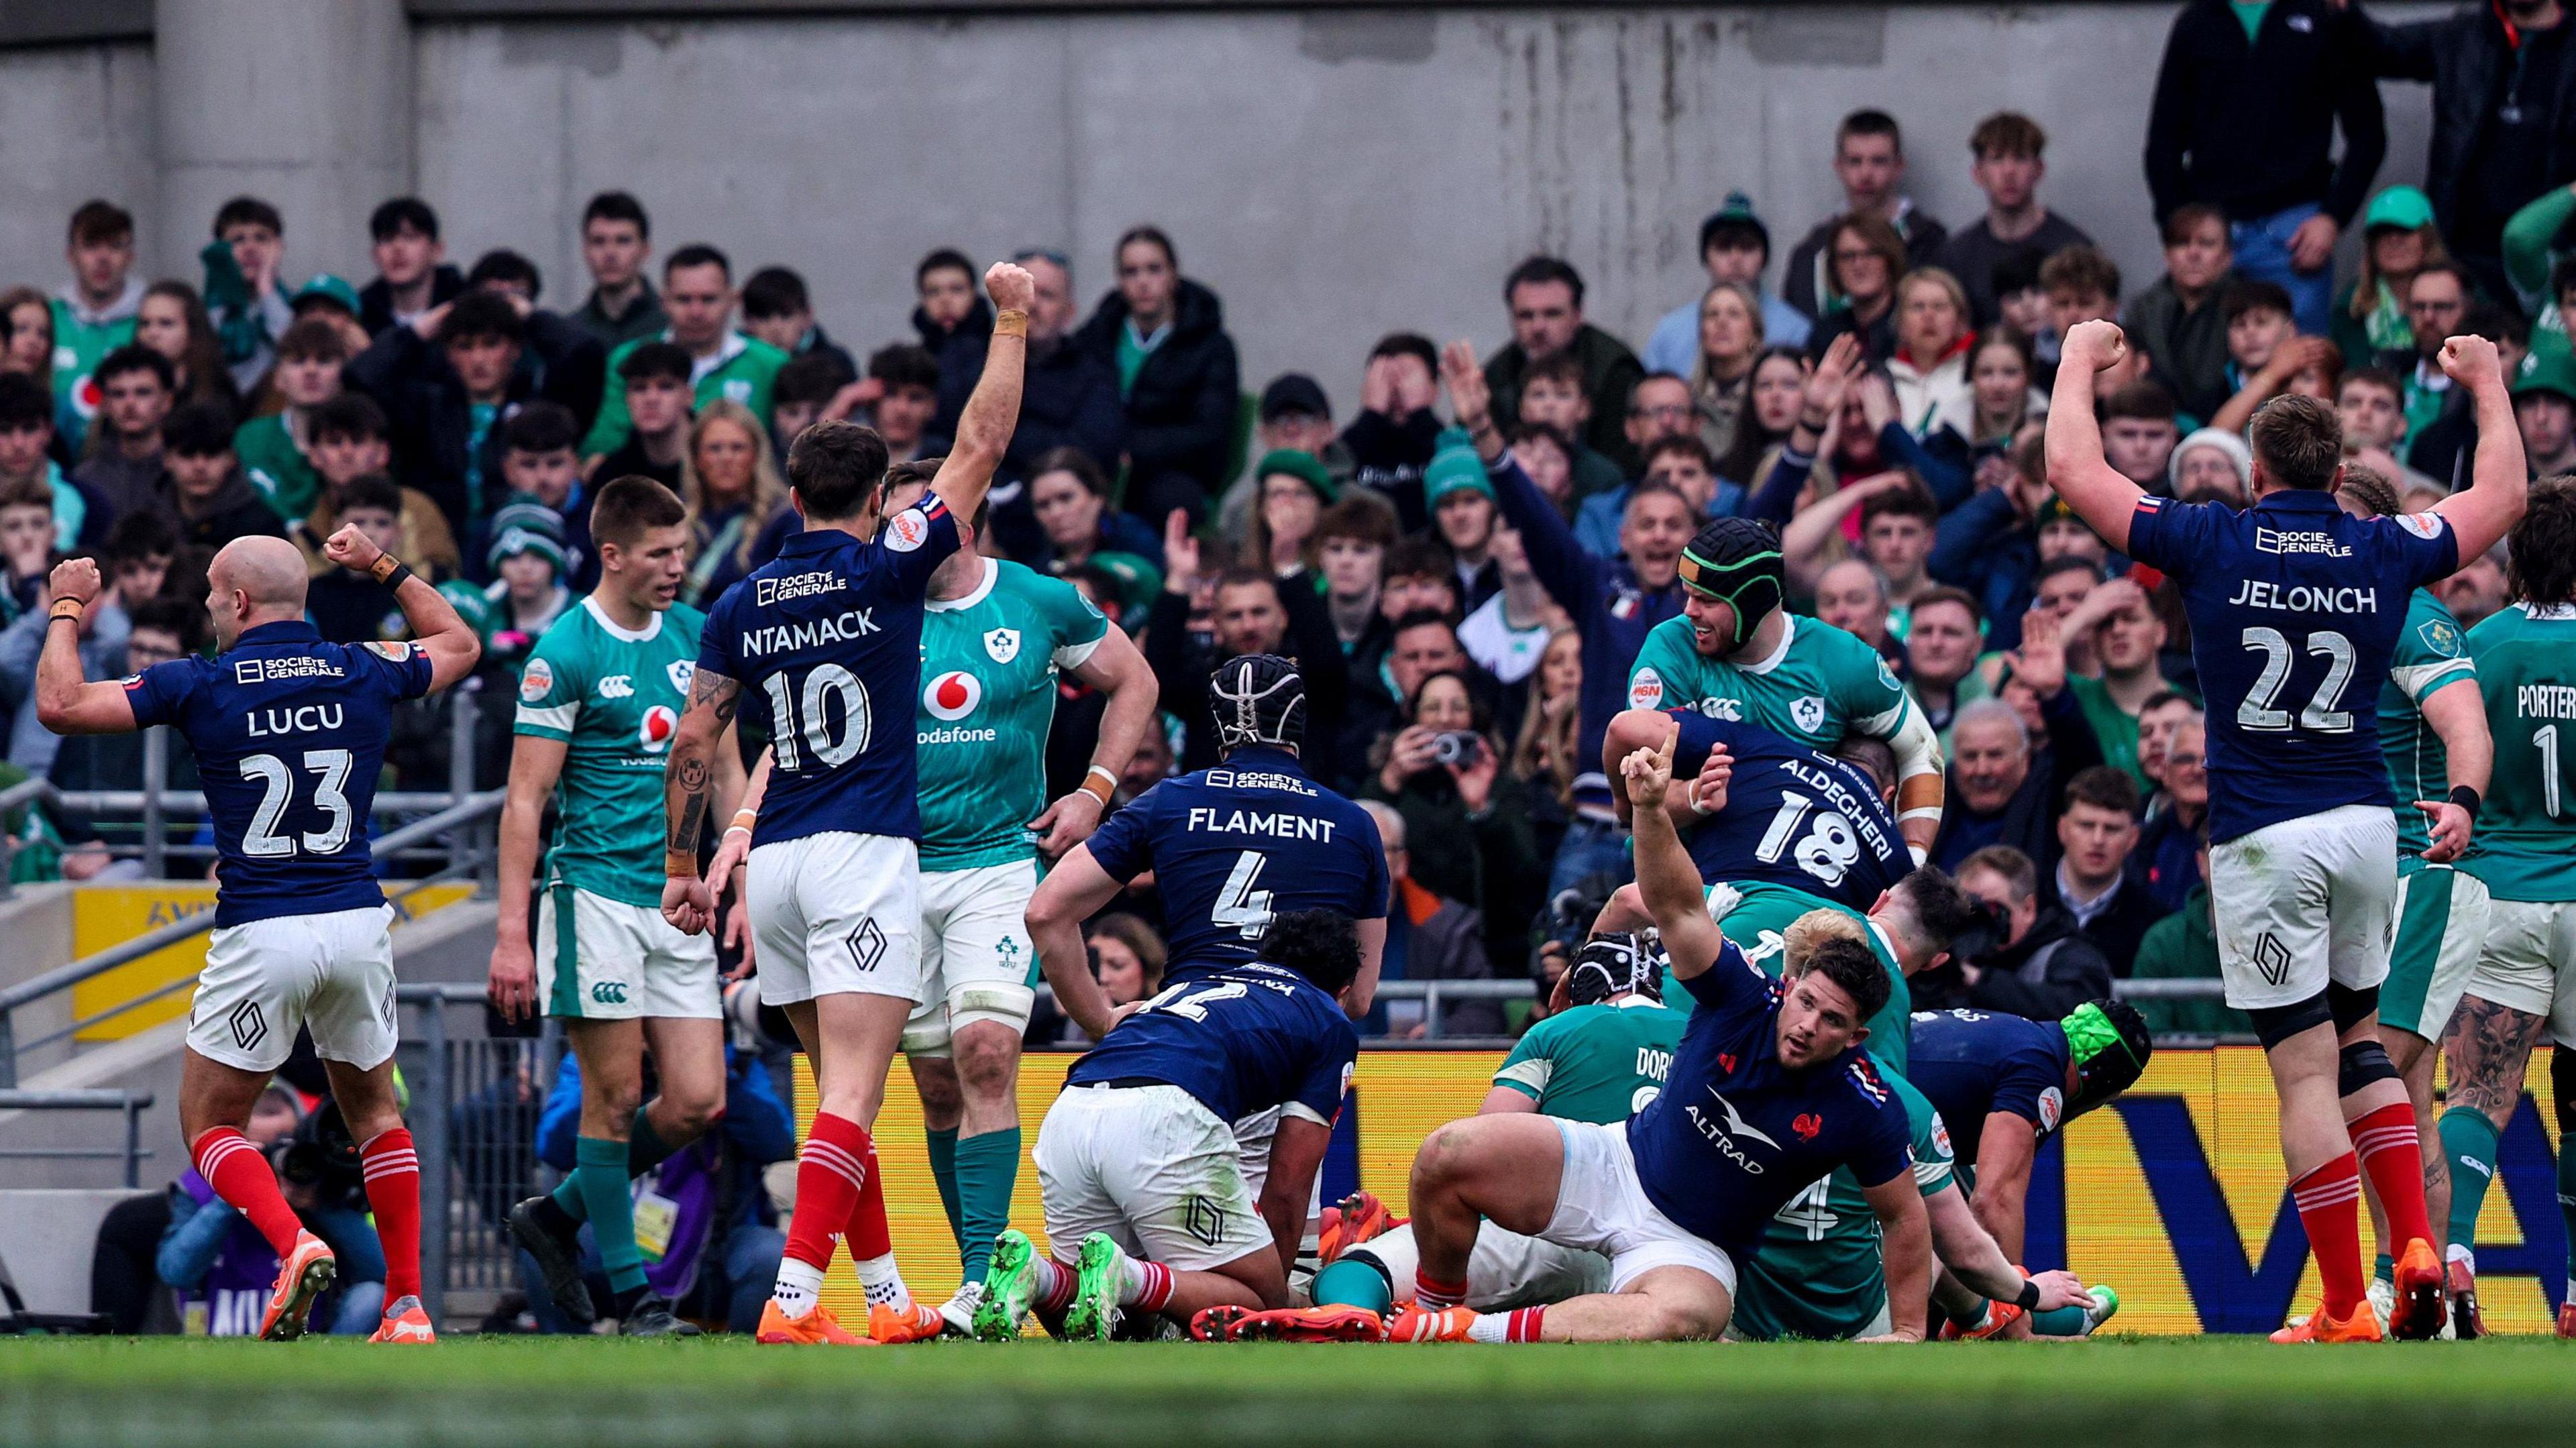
(2034, 962)
(1443, 772)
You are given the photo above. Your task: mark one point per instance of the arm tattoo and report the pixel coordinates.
(717, 693)
(692, 775)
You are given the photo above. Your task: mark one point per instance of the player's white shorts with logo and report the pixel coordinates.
(1602, 1207)
(333, 974)
(836, 914)
(606, 960)
(2529, 964)
(1505, 1271)
(1151, 1167)
(975, 953)
(2302, 902)
(1252, 1138)
(2442, 917)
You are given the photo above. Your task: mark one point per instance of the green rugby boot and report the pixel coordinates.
(1010, 1285)
(1099, 1273)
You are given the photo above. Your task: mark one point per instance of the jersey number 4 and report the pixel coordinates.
(1826, 852)
(1240, 907)
(791, 739)
(2320, 715)
(277, 784)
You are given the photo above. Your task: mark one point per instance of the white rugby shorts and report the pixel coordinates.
(606, 960)
(333, 974)
(2529, 963)
(975, 953)
(836, 914)
(2302, 902)
(1602, 1207)
(1153, 1168)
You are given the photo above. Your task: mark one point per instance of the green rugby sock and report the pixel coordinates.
(943, 1170)
(2384, 1268)
(600, 1171)
(2469, 1144)
(2058, 1322)
(1353, 1283)
(645, 1148)
(988, 1167)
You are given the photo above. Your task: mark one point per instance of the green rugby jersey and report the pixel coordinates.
(2526, 660)
(1756, 915)
(1822, 683)
(615, 698)
(2429, 656)
(988, 688)
(1600, 1063)
(1819, 1273)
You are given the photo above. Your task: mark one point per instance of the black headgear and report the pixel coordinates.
(2110, 1043)
(1614, 963)
(1737, 562)
(1257, 699)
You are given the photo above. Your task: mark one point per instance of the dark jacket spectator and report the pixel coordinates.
(1181, 403)
(2034, 962)
(2004, 785)
(1391, 454)
(1610, 373)
(202, 486)
(1467, 820)
(1293, 622)
(2504, 117)
(1067, 399)
(2097, 835)
(376, 298)
(2186, 344)
(1428, 937)
(973, 329)
(432, 417)
(2248, 125)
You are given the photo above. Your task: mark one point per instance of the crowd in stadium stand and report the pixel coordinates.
(465, 418)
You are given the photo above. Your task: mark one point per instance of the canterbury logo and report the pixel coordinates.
(1736, 1125)
(609, 992)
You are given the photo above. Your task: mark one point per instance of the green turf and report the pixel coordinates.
(561, 1393)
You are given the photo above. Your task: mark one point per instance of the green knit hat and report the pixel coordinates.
(526, 528)
(1454, 465)
(1305, 467)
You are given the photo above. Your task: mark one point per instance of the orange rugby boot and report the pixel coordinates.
(2360, 1327)
(305, 1275)
(816, 1326)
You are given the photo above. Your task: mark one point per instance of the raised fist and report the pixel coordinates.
(74, 578)
(1010, 286)
(352, 549)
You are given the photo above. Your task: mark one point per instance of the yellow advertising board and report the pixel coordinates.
(108, 915)
(2175, 1195)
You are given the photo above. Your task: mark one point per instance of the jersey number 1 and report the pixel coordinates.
(277, 785)
(823, 683)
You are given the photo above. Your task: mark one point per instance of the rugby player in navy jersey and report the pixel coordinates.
(1231, 848)
(289, 734)
(1147, 1208)
(822, 648)
(1769, 1091)
(2295, 609)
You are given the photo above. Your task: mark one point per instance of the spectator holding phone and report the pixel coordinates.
(1466, 818)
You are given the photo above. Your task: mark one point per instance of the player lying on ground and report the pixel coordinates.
(2004, 1085)
(289, 734)
(825, 643)
(2433, 737)
(1146, 1208)
(2295, 609)
(598, 704)
(1768, 1091)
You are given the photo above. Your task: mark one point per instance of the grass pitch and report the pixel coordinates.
(569, 1393)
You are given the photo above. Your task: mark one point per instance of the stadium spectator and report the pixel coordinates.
(1869, 162)
(94, 311)
(1866, 258)
(2140, 427)
(721, 1242)
(2039, 965)
(1552, 397)
(1941, 641)
(1127, 959)
(1460, 499)
(733, 490)
(202, 485)
(1294, 414)
(1730, 341)
(104, 627)
(2248, 99)
(26, 546)
(527, 593)
(136, 389)
(1249, 613)
(27, 444)
(1972, 434)
(1351, 542)
(1069, 398)
(2502, 114)
(2178, 326)
(1851, 597)
(1395, 432)
(1469, 819)
(1428, 937)
(1069, 498)
(2212, 465)
(1545, 296)
(2266, 357)
(349, 441)
(1163, 337)
(653, 378)
(2008, 167)
(2097, 830)
(2476, 591)
(2079, 285)
(312, 360)
(1930, 364)
(806, 388)
(2398, 237)
(947, 307)
(2175, 839)
(616, 242)
(901, 392)
(2437, 303)
(1543, 748)
(2371, 403)
(412, 274)
(1293, 490)
(446, 377)
(1662, 427)
(1735, 247)
(173, 322)
(2544, 408)
(724, 364)
(1989, 545)
(161, 629)
(2004, 785)
(777, 309)
(2125, 637)
(2184, 946)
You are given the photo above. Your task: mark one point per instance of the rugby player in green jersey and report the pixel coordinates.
(2524, 984)
(2433, 733)
(599, 703)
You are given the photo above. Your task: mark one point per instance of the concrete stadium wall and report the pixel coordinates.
(1334, 174)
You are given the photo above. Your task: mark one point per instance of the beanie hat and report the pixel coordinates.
(1303, 466)
(526, 528)
(1454, 465)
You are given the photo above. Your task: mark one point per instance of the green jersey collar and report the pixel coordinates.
(982, 590)
(598, 615)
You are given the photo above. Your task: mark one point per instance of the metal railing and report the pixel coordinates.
(132, 1103)
(473, 1112)
(471, 818)
(155, 803)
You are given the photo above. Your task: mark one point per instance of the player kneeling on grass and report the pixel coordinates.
(1146, 1206)
(1768, 1090)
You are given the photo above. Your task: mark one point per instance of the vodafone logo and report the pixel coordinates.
(660, 723)
(953, 695)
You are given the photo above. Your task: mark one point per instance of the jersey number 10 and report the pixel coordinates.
(790, 739)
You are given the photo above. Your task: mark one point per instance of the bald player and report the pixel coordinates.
(289, 734)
